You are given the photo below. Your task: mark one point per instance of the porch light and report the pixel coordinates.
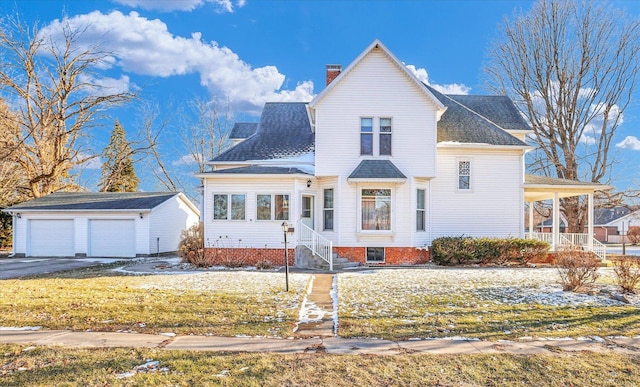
(140, 215)
(309, 183)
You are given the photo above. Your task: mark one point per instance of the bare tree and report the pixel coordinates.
(10, 175)
(53, 86)
(572, 68)
(208, 134)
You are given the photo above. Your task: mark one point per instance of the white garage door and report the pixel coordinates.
(51, 238)
(112, 238)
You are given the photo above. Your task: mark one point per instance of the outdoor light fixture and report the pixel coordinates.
(18, 215)
(309, 183)
(285, 230)
(141, 215)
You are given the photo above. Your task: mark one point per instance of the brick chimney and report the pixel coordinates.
(333, 70)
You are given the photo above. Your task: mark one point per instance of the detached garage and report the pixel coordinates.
(101, 224)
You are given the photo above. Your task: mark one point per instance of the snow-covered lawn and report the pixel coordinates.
(483, 303)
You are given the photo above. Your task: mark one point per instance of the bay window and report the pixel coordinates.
(376, 209)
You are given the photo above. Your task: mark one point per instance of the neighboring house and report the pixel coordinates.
(101, 224)
(617, 226)
(376, 166)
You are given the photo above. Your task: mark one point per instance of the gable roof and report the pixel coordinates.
(95, 201)
(376, 44)
(284, 131)
(376, 169)
(260, 170)
(462, 124)
(242, 130)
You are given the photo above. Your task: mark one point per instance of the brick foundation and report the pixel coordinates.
(247, 256)
(393, 255)
(254, 256)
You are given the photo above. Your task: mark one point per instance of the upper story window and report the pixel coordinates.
(366, 136)
(464, 175)
(376, 209)
(385, 136)
(272, 207)
(229, 206)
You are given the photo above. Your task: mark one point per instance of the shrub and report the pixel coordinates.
(576, 268)
(634, 234)
(264, 264)
(496, 251)
(191, 247)
(627, 273)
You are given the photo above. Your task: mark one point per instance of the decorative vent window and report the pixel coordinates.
(420, 210)
(385, 136)
(227, 206)
(272, 207)
(376, 209)
(464, 175)
(328, 209)
(375, 254)
(366, 136)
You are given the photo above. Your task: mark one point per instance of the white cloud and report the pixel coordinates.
(184, 160)
(181, 5)
(588, 140)
(91, 162)
(146, 47)
(106, 85)
(630, 142)
(452, 88)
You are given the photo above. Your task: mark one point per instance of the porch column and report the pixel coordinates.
(555, 229)
(531, 220)
(590, 221)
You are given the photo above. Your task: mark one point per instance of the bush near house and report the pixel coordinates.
(462, 250)
(627, 272)
(576, 268)
(191, 247)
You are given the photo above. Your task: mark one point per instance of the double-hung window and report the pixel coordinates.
(420, 210)
(229, 206)
(328, 209)
(464, 175)
(385, 137)
(366, 136)
(272, 207)
(376, 209)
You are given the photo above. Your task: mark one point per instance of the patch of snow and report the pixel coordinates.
(334, 297)
(36, 328)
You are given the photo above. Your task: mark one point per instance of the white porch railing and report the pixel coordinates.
(319, 245)
(574, 240)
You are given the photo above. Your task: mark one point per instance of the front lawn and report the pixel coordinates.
(215, 303)
(48, 366)
(489, 304)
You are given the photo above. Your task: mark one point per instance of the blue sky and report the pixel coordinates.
(254, 51)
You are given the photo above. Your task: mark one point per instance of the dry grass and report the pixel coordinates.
(46, 366)
(209, 303)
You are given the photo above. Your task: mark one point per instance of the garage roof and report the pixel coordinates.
(95, 201)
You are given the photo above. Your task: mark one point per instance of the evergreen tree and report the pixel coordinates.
(118, 173)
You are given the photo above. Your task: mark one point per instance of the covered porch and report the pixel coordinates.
(540, 188)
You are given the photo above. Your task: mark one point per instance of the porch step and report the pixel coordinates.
(305, 259)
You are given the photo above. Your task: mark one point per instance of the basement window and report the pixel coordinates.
(375, 254)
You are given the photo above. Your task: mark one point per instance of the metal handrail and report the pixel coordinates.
(319, 245)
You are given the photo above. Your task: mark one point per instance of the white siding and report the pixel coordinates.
(375, 88)
(167, 221)
(493, 207)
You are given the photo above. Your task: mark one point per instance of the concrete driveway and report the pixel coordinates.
(21, 267)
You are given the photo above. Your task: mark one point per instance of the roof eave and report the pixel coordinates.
(376, 180)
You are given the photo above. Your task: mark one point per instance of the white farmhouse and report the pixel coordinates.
(372, 170)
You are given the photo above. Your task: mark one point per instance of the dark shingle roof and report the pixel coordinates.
(459, 123)
(243, 130)
(96, 201)
(261, 170)
(376, 169)
(284, 131)
(606, 215)
(499, 109)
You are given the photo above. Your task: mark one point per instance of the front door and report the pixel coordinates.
(307, 211)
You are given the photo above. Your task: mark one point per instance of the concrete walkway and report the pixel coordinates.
(331, 345)
(319, 309)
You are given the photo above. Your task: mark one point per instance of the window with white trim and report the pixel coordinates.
(375, 254)
(376, 209)
(366, 136)
(328, 209)
(420, 210)
(385, 137)
(272, 207)
(464, 175)
(229, 206)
